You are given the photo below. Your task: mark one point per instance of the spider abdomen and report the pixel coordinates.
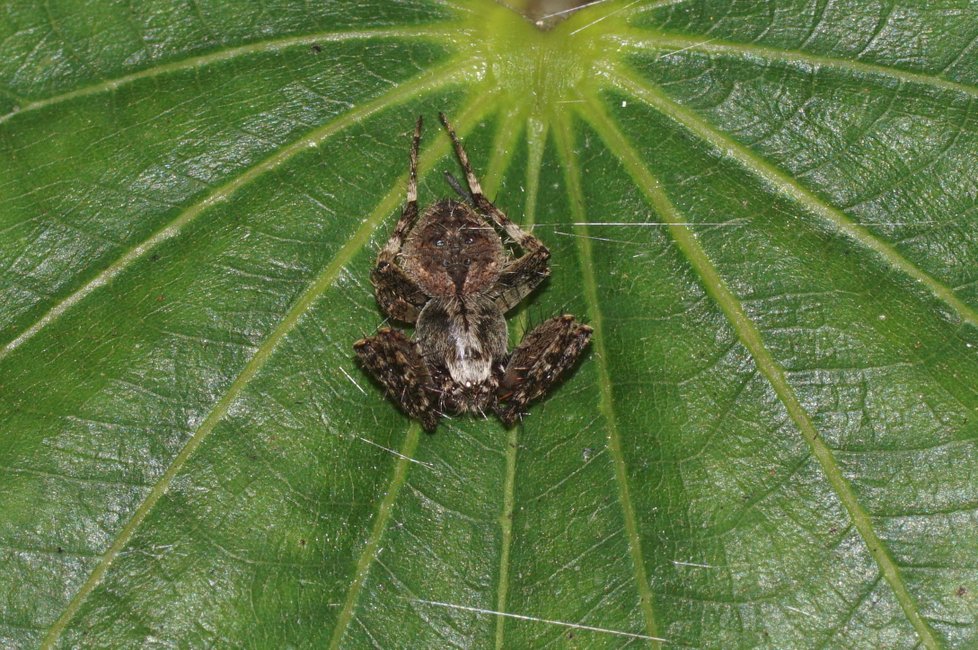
(463, 335)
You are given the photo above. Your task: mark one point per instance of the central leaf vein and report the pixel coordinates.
(505, 140)
(473, 110)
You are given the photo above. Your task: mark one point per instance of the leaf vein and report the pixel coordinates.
(264, 352)
(503, 148)
(473, 110)
(650, 39)
(272, 45)
(416, 86)
(750, 336)
(565, 140)
(780, 181)
(372, 545)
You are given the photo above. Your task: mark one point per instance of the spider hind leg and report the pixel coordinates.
(538, 363)
(396, 362)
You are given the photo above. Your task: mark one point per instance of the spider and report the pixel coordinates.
(449, 274)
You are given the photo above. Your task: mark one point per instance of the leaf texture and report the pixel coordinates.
(765, 210)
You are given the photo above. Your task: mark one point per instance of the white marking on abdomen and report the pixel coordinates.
(464, 369)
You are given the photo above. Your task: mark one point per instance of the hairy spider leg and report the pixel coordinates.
(410, 212)
(396, 362)
(398, 296)
(519, 276)
(538, 363)
(524, 239)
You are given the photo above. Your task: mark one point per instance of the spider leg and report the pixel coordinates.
(398, 296)
(523, 274)
(410, 212)
(525, 240)
(520, 277)
(538, 363)
(395, 361)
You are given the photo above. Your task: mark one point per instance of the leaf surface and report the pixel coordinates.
(766, 210)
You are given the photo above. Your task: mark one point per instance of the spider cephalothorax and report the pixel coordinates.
(451, 276)
(453, 252)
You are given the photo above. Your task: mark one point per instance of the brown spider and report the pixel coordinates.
(455, 281)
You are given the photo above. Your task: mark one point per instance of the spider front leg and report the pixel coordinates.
(520, 277)
(538, 363)
(398, 296)
(396, 362)
(523, 274)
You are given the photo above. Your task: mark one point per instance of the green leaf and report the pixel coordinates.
(766, 210)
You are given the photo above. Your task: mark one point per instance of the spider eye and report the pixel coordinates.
(439, 243)
(469, 239)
